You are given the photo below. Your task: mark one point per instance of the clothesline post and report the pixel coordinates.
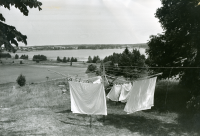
(104, 85)
(90, 121)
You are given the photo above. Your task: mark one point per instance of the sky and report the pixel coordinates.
(62, 22)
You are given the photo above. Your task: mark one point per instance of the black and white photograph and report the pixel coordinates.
(99, 67)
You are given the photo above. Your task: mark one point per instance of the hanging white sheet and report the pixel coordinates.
(141, 95)
(87, 98)
(114, 93)
(125, 91)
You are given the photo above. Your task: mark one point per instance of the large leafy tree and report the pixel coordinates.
(179, 45)
(9, 36)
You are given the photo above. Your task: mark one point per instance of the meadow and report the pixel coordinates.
(42, 109)
(37, 72)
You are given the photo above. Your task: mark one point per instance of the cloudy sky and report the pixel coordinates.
(87, 22)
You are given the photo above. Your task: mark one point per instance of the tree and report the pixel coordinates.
(64, 60)
(58, 59)
(68, 60)
(9, 35)
(125, 62)
(89, 59)
(179, 45)
(16, 56)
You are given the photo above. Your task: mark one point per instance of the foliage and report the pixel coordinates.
(21, 80)
(73, 59)
(194, 104)
(95, 59)
(126, 64)
(39, 57)
(91, 68)
(9, 35)
(179, 45)
(58, 59)
(5, 55)
(24, 56)
(64, 60)
(16, 56)
(89, 59)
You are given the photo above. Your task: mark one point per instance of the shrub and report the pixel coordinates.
(91, 68)
(21, 62)
(16, 56)
(21, 80)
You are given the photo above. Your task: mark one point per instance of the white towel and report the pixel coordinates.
(114, 93)
(141, 95)
(125, 91)
(87, 98)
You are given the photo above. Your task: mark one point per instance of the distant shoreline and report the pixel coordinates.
(24, 51)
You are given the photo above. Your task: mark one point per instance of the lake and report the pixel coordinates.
(81, 55)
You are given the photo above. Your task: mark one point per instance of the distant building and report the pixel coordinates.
(116, 64)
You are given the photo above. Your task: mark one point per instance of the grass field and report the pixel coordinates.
(38, 72)
(42, 109)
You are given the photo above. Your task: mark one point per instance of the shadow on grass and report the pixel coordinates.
(69, 123)
(65, 111)
(21, 133)
(7, 121)
(144, 126)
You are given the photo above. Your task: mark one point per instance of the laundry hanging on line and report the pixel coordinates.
(141, 96)
(125, 91)
(114, 93)
(88, 98)
(119, 92)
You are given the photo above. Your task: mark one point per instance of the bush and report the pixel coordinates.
(5, 55)
(21, 80)
(16, 56)
(39, 57)
(91, 68)
(21, 62)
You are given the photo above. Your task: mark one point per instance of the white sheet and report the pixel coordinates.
(114, 93)
(125, 91)
(141, 95)
(87, 98)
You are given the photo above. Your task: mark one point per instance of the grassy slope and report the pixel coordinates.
(43, 110)
(36, 72)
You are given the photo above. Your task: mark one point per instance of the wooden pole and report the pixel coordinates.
(90, 121)
(104, 85)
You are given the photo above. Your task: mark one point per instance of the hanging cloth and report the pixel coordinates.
(115, 93)
(141, 95)
(125, 91)
(88, 98)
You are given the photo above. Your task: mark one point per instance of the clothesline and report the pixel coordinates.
(151, 67)
(122, 71)
(138, 78)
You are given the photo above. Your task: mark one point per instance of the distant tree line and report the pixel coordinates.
(22, 56)
(95, 59)
(39, 58)
(65, 60)
(99, 46)
(5, 55)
